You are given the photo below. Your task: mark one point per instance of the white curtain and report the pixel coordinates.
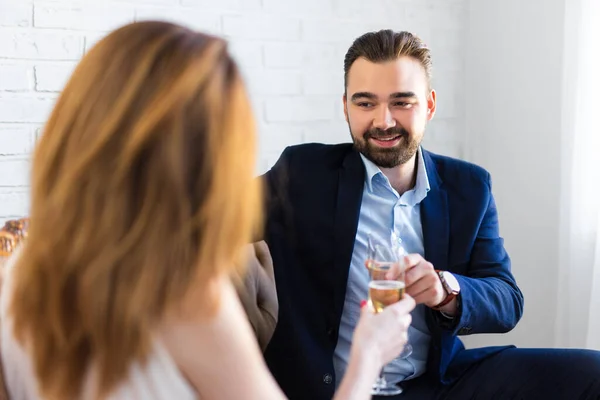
(578, 319)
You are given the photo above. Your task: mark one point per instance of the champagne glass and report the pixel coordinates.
(382, 293)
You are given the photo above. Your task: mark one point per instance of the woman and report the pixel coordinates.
(142, 200)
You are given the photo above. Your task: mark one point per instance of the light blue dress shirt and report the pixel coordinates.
(383, 210)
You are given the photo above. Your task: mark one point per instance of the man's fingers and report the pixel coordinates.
(413, 275)
(426, 296)
(412, 260)
(395, 272)
(418, 287)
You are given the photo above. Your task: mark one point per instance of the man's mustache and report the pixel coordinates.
(384, 134)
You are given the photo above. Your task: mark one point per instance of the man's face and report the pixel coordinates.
(387, 106)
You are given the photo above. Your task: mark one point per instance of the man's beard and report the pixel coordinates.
(387, 157)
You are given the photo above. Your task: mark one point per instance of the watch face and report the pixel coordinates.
(451, 282)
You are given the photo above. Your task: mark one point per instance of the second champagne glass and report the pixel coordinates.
(382, 293)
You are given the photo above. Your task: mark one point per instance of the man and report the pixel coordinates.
(325, 200)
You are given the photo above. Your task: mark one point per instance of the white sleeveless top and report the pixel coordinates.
(159, 379)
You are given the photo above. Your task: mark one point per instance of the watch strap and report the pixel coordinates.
(449, 294)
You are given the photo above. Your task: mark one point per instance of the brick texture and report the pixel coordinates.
(290, 52)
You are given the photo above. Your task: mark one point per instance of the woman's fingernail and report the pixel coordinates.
(363, 303)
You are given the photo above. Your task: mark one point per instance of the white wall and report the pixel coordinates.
(514, 108)
(291, 52)
(498, 69)
(577, 323)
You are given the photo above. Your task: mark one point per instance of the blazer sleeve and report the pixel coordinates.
(490, 300)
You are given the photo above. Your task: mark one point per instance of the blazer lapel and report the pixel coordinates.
(436, 234)
(435, 218)
(351, 180)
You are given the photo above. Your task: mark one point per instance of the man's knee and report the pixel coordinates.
(588, 358)
(559, 364)
(578, 366)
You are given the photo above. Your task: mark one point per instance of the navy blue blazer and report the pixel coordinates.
(314, 194)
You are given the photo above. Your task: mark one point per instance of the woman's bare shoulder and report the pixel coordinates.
(211, 349)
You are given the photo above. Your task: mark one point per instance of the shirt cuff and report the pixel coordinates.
(447, 316)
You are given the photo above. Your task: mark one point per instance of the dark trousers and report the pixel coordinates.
(518, 374)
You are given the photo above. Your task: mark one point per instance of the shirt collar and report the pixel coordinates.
(421, 184)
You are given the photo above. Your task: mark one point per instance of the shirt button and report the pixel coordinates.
(327, 379)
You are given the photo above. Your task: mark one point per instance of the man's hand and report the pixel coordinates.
(422, 282)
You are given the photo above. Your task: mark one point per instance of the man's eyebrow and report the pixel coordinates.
(372, 96)
(402, 95)
(364, 95)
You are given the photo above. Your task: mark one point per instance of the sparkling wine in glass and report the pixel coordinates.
(382, 293)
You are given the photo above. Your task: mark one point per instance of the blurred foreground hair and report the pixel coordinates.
(142, 190)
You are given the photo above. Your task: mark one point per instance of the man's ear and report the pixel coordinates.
(431, 104)
(345, 102)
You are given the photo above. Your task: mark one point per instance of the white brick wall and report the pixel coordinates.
(290, 51)
(16, 77)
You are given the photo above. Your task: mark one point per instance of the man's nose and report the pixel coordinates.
(383, 119)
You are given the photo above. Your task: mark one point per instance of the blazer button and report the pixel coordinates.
(327, 379)
(465, 331)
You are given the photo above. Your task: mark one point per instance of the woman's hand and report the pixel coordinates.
(382, 336)
(378, 339)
